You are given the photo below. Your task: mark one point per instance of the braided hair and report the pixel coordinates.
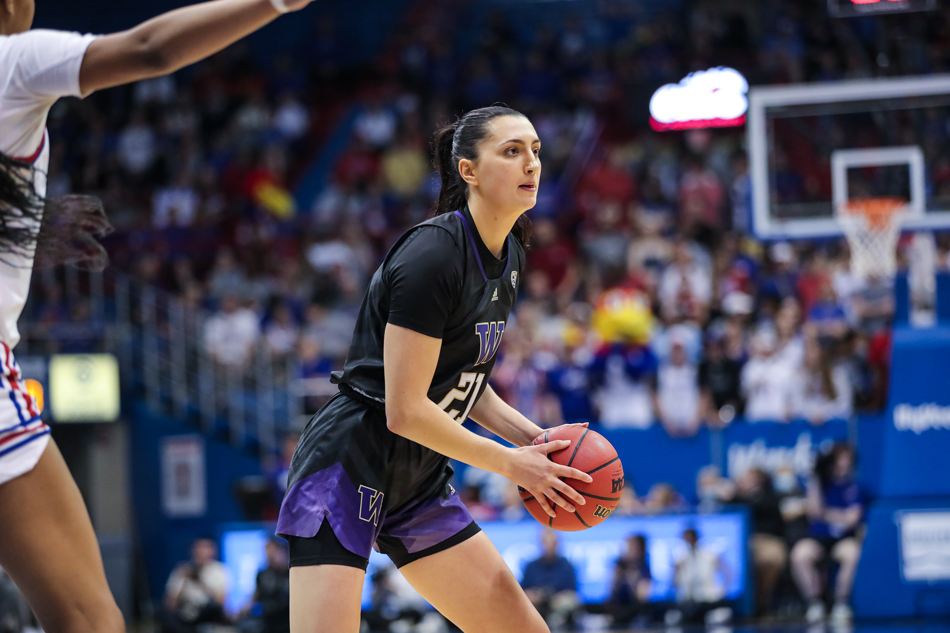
(459, 140)
(51, 231)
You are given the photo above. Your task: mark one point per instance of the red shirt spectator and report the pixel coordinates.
(357, 164)
(700, 197)
(550, 253)
(608, 180)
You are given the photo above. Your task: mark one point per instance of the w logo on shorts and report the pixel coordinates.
(371, 504)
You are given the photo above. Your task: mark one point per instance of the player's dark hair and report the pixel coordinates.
(459, 140)
(54, 232)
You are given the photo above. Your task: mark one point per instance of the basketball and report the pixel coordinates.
(589, 452)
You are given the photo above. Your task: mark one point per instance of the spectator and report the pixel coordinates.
(390, 605)
(554, 256)
(405, 166)
(550, 583)
(663, 498)
(719, 382)
(782, 282)
(835, 509)
(629, 504)
(195, 592)
(685, 288)
(630, 591)
(281, 333)
(622, 374)
(333, 328)
(700, 197)
(812, 279)
(569, 383)
(137, 146)
(226, 276)
(766, 382)
(272, 590)
(230, 335)
(769, 551)
(821, 391)
(677, 392)
(177, 204)
(700, 579)
(827, 315)
(291, 120)
(790, 344)
(376, 125)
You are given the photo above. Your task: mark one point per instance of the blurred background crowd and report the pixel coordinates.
(264, 191)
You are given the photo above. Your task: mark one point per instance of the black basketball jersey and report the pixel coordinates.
(441, 280)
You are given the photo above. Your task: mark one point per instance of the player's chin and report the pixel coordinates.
(527, 196)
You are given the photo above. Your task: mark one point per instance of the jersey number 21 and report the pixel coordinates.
(469, 384)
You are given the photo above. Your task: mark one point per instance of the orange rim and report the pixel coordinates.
(877, 211)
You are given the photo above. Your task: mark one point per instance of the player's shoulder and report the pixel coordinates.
(35, 40)
(428, 246)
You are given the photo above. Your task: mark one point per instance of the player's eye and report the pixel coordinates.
(512, 151)
(537, 151)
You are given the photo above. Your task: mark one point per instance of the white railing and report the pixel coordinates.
(160, 345)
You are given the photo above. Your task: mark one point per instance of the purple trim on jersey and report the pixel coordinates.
(478, 258)
(429, 523)
(328, 494)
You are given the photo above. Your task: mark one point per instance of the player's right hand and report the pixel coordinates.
(531, 469)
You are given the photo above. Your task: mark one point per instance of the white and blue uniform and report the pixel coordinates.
(36, 68)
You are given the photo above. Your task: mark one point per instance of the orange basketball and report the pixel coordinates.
(594, 455)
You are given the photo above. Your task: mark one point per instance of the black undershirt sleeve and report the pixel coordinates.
(425, 279)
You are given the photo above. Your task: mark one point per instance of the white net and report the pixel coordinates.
(873, 227)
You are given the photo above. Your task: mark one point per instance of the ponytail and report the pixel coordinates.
(452, 193)
(51, 232)
(455, 141)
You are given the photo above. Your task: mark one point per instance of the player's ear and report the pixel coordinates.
(467, 169)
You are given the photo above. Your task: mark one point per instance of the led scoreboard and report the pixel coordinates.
(855, 8)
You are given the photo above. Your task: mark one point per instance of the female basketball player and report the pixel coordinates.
(372, 467)
(47, 543)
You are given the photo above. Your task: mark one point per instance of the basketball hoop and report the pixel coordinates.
(873, 227)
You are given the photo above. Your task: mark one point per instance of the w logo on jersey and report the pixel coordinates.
(489, 338)
(371, 504)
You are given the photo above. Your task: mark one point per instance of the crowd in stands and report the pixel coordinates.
(642, 281)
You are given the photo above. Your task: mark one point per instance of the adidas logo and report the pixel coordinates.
(495, 296)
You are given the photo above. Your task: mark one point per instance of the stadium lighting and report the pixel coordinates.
(703, 99)
(855, 8)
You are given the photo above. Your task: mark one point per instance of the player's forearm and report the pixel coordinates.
(187, 35)
(171, 41)
(426, 424)
(496, 415)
